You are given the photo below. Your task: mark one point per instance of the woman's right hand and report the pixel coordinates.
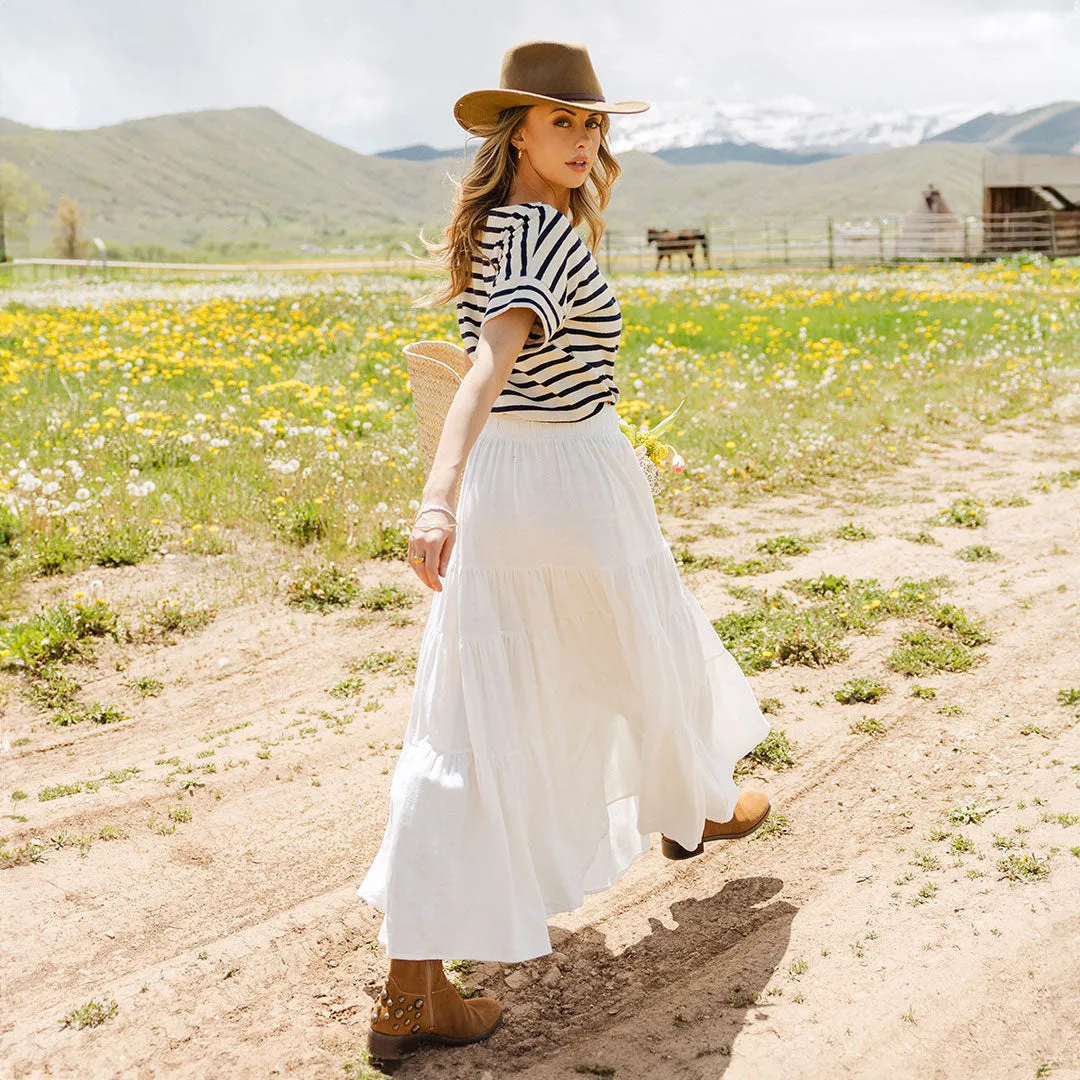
(431, 542)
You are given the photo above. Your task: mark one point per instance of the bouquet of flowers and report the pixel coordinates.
(653, 454)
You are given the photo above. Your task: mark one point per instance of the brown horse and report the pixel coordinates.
(668, 242)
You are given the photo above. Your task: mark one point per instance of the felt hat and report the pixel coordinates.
(538, 71)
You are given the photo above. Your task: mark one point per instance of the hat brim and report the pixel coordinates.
(477, 111)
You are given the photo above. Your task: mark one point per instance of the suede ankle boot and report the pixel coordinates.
(419, 1005)
(751, 810)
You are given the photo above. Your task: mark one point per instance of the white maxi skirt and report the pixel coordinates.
(571, 698)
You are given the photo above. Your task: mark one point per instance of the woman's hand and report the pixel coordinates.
(431, 542)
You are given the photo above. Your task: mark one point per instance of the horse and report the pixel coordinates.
(682, 240)
(935, 201)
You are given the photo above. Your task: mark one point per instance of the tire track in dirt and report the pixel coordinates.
(672, 972)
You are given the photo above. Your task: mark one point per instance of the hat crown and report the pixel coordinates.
(534, 73)
(552, 69)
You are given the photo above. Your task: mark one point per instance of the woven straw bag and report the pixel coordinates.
(435, 369)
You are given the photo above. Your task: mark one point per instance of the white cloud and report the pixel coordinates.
(1029, 31)
(374, 75)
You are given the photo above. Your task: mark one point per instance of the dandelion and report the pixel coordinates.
(188, 371)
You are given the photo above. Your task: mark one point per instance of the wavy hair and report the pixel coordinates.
(487, 184)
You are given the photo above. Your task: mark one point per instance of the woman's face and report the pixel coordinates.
(560, 143)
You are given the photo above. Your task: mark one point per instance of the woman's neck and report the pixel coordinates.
(529, 186)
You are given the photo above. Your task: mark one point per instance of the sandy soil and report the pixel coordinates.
(235, 947)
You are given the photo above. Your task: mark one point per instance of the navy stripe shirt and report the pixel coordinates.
(535, 260)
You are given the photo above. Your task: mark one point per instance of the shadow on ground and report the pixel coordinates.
(702, 977)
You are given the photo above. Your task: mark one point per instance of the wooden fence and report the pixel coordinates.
(912, 238)
(882, 241)
(32, 270)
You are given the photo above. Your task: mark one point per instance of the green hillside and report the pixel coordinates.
(655, 193)
(254, 180)
(1049, 129)
(229, 174)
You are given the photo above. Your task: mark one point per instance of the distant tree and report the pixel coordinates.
(20, 197)
(68, 240)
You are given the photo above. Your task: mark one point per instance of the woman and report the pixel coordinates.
(571, 696)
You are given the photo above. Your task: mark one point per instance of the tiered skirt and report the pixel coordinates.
(571, 699)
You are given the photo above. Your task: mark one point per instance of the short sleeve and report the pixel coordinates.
(532, 270)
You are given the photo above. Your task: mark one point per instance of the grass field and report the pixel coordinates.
(143, 417)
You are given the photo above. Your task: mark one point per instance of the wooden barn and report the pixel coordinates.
(1031, 202)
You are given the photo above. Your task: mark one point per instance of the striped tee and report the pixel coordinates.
(535, 259)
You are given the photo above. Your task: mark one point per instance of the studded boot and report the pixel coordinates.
(419, 1005)
(751, 810)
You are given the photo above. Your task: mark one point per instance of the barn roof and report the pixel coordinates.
(1031, 170)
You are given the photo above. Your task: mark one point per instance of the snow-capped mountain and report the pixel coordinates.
(790, 123)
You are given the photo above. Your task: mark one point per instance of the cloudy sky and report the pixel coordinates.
(377, 74)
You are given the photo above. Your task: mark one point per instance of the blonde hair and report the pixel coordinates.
(487, 184)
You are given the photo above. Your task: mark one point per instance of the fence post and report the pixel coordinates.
(881, 240)
(1053, 234)
(832, 254)
(787, 250)
(967, 238)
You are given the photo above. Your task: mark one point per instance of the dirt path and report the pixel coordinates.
(234, 946)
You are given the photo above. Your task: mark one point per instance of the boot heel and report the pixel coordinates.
(672, 850)
(392, 1047)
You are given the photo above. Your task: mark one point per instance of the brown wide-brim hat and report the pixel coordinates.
(538, 71)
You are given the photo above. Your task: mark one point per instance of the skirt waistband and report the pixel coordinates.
(515, 427)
